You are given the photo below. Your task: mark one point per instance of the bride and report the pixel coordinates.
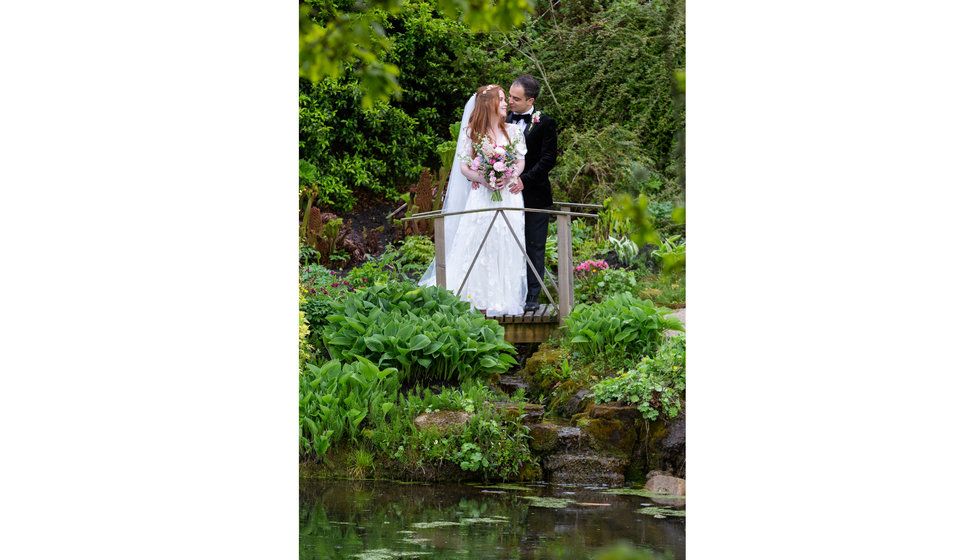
(497, 283)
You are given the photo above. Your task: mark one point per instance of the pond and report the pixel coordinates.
(381, 520)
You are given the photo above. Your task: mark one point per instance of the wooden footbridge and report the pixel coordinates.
(538, 325)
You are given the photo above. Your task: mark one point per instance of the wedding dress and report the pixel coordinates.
(497, 282)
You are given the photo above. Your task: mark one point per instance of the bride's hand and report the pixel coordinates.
(517, 187)
(476, 185)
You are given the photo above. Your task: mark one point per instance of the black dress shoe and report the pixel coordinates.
(531, 306)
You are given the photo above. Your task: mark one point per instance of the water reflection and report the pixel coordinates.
(379, 520)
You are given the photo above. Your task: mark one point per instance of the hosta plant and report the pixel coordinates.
(625, 248)
(620, 324)
(427, 333)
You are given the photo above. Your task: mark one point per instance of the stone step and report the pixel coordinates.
(512, 383)
(585, 469)
(552, 438)
(532, 413)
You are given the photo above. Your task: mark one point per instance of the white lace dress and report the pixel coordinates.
(498, 281)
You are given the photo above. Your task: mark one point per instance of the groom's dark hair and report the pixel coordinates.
(531, 86)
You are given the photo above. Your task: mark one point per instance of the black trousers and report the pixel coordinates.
(535, 236)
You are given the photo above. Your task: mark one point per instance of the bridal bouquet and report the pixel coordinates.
(494, 162)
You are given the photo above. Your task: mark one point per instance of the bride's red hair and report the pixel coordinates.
(485, 113)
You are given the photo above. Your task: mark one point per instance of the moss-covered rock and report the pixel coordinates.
(528, 413)
(666, 446)
(628, 415)
(578, 402)
(545, 356)
(585, 469)
(442, 421)
(609, 435)
(544, 437)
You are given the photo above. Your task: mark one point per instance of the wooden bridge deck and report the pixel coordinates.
(527, 327)
(534, 326)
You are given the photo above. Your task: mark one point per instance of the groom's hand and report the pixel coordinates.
(518, 186)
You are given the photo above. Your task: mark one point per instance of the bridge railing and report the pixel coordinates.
(566, 291)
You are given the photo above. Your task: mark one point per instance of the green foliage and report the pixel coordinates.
(664, 288)
(304, 332)
(587, 274)
(601, 60)
(334, 39)
(655, 385)
(620, 324)
(612, 222)
(354, 149)
(334, 400)
(335, 36)
(672, 253)
(442, 63)
(589, 249)
(596, 163)
(416, 252)
(645, 217)
(320, 282)
(425, 332)
(488, 443)
(307, 254)
(626, 250)
(610, 282)
(598, 281)
(374, 271)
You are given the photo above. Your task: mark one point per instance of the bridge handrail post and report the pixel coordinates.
(439, 230)
(565, 293)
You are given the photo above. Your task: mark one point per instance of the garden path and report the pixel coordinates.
(680, 314)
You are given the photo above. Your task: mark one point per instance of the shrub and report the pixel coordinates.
(607, 283)
(488, 443)
(606, 59)
(620, 324)
(425, 332)
(355, 149)
(655, 385)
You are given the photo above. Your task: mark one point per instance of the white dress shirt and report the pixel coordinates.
(521, 124)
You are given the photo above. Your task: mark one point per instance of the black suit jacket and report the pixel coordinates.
(542, 151)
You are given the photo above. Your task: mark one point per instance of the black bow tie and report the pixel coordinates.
(525, 118)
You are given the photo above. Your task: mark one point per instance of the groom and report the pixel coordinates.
(541, 137)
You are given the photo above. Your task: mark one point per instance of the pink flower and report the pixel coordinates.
(475, 164)
(334, 285)
(500, 166)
